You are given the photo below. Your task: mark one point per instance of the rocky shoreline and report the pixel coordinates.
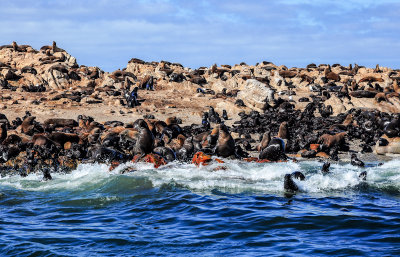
(55, 114)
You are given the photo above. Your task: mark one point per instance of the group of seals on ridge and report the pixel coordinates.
(56, 143)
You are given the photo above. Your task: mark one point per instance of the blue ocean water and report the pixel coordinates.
(182, 210)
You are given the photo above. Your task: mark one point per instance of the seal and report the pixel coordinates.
(332, 140)
(145, 139)
(264, 141)
(60, 122)
(46, 174)
(283, 131)
(177, 143)
(325, 167)
(15, 46)
(392, 129)
(225, 145)
(289, 185)
(370, 79)
(381, 97)
(186, 150)
(29, 126)
(3, 132)
(62, 138)
(275, 151)
(167, 153)
(330, 75)
(355, 161)
(388, 145)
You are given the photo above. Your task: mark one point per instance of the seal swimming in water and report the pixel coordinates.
(289, 185)
(325, 167)
(46, 175)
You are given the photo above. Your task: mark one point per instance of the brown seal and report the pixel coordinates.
(3, 132)
(59, 122)
(14, 139)
(225, 144)
(171, 121)
(329, 74)
(145, 139)
(287, 74)
(177, 143)
(283, 131)
(332, 140)
(15, 46)
(62, 138)
(27, 126)
(363, 94)
(42, 140)
(264, 141)
(370, 79)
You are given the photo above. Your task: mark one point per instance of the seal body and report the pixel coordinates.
(225, 144)
(275, 151)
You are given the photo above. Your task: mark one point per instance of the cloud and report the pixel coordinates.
(200, 33)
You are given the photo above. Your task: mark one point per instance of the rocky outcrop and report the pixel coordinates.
(254, 94)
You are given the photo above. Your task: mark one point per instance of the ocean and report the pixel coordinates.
(182, 210)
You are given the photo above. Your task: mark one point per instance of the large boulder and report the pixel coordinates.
(56, 79)
(387, 145)
(254, 93)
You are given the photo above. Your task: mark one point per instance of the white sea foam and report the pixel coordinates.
(237, 177)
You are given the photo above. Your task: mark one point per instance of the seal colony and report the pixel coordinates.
(160, 112)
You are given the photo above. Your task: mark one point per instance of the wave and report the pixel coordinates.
(236, 177)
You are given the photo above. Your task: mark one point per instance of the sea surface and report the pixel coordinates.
(182, 210)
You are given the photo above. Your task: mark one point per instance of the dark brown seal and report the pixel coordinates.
(225, 144)
(283, 131)
(145, 139)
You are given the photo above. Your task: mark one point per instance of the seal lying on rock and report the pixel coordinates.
(275, 151)
(333, 140)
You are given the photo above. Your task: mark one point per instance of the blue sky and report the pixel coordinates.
(200, 33)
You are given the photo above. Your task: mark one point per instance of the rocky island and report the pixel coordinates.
(55, 114)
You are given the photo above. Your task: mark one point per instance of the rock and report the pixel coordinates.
(60, 56)
(108, 81)
(56, 79)
(336, 103)
(254, 93)
(230, 108)
(387, 145)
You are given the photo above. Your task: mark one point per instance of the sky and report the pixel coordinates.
(198, 33)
